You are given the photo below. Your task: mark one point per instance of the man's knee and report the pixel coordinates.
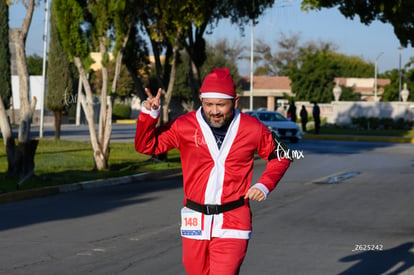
(195, 256)
(227, 255)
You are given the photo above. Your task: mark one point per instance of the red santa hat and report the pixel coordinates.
(218, 84)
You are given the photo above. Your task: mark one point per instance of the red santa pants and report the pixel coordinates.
(213, 257)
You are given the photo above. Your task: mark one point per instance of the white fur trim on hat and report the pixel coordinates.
(215, 95)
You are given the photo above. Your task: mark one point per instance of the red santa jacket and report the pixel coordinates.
(212, 175)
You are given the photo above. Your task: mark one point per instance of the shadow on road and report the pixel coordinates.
(337, 147)
(82, 203)
(391, 261)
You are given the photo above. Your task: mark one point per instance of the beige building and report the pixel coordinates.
(365, 87)
(266, 91)
(97, 58)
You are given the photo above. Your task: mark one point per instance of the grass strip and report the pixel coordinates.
(59, 162)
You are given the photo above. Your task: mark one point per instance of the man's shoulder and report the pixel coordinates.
(187, 116)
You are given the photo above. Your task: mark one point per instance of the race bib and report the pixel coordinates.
(191, 223)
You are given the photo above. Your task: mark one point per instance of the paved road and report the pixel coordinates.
(360, 225)
(121, 132)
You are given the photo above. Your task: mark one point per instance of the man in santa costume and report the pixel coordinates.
(217, 145)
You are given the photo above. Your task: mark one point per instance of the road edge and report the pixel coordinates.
(85, 185)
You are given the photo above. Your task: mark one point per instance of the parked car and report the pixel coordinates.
(279, 124)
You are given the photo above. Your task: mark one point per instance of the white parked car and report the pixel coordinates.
(279, 124)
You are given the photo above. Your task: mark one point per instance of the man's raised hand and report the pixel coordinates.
(152, 103)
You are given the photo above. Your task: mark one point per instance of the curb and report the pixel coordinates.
(126, 121)
(85, 185)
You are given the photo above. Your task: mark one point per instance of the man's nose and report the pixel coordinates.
(215, 110)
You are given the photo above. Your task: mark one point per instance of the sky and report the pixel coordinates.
(374, 43)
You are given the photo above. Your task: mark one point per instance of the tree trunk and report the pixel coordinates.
(8, 139)
(168, 94)
(104, 92)
(24, 112)
(120, 55)
(195, 84)
(58, 123)
(137, 83)
(20, 159)
(105, 115)
(23, 159)
(194, 45)
(101, 162)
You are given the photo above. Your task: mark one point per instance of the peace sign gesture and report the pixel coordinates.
(152, 103)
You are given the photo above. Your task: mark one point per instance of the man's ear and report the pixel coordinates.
(236, 102)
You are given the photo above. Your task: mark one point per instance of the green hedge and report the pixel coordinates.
(382, 123)
(121, 111)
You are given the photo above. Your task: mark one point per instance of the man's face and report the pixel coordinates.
(218, 110)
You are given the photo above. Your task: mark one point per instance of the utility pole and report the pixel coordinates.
(42, 98)
(399, 75)
(375, 77)
(251, 66)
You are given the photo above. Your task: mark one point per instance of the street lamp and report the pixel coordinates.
(42, 96)
(375, 76)
(251, 65)
(399, 74)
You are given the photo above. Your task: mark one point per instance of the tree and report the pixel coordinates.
(104, 26)
(313, 73)
(21, 158)
(276, 62)
(313, 66)
(221, 54)
(5, 84)
(125, 85)
(136, 61)
(348, 94)
(5, 73)
(264, 60)
(162, 23)
(207, 13)
(175, 26)
(391, 92)
(397, 13)
(353, 66)
(59, 76)
(35, 64)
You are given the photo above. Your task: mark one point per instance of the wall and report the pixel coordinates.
(342, 112)
(35, 89)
